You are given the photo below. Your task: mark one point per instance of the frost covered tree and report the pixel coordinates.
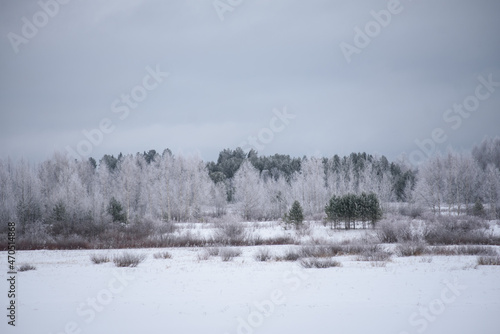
(279, 193)
(218, 198)
(470, 181)
(310, 186)
(7, 200)
(27, 193)
(431, 187)
(492, 189)
(454, 181)
(127, 189)
(249, 192)
(488, 152)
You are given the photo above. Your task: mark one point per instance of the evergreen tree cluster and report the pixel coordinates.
(351, 208)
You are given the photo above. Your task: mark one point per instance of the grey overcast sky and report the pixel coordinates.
(377, 88)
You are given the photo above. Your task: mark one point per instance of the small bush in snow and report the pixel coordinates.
(449, 230)
(230, 233)
(26, 267)
(377, 256)
(128, 259)
(462, 250)
(303, 229)
(227, 254)
(337, 249)
(162, 255)
(319, 263)
(315, 251)
(488, 260)
(263, 255)
(358, 249)
(411, 249)
(278, 240)
(98, 258)
(203, 255)
(392, 232)
(213, 251)
(290, 255)
(442, 236)
(475, 250)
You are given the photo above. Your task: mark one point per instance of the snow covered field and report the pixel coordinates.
(67, 293)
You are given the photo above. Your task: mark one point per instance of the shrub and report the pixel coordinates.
(463, 223)
(98, 259)
(462, 250)
(448, 230)
(203, 255)
(263, 255)
(230, 233)
(392, 232)
(213, 251)
(128, 259)
(411, 249)
(476, 250)
(26, 267)
(444, 237)
(303, 230)
(319, 263)
(315, 251)
(162, 227)
(387, 232)
(227, 254)
(379, 255)
(290, 255)
(278, 240)
(339, 249)
(170, 240)
(358, 249)
(162, 255)
(488, 260)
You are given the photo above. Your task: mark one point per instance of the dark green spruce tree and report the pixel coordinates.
(295, 216)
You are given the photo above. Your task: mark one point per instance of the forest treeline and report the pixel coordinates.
(84, 197)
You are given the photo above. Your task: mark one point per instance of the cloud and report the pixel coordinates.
(230, 75)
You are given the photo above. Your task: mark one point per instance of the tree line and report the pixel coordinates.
(85, 196)
(456, 182)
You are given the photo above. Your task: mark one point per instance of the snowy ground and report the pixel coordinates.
(67, 293)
